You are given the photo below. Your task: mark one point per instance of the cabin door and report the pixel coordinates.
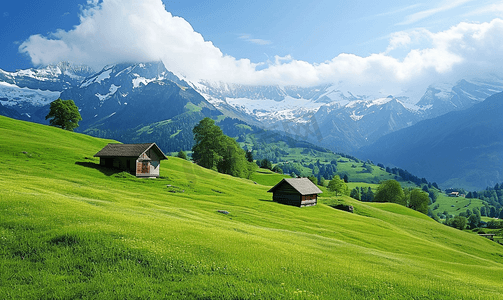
(145, 167)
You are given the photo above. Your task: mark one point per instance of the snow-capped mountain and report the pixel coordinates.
(123, 96)
(341, 120)
(440, 99)
(51, 78)
(461, 148)
(26, 91)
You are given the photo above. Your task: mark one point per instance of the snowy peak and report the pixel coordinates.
(136, 74)
(441, 98)
(53, 77)
(120, 80)
(27, 90)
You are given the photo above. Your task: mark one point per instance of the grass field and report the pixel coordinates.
(72, 230)
(455, 205)
(267, 177)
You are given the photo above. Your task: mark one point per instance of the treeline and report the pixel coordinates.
(406, 176)
(492, 195)
(472, 219)
(392, 191)
(317, 169)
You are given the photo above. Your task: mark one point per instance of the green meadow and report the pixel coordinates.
(70, 229)
(455, 205)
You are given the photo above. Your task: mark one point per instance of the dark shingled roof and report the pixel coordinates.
(303, 185)
(128, 150)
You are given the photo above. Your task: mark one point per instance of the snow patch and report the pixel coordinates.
(142, 80)
(413, 107)
(379, 101)
(16, 95)
(288, 108)
(355, 117)
(112, 90)
(97, 79)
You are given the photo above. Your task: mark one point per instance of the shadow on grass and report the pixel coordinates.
(102, 169)
(265, 200)
(264, 172)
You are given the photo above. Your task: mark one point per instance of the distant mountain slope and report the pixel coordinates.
(328, 115)
(28, 91)
(346, 128)
(51, 78)
(462, 148)
(339, 119)
(135, 102)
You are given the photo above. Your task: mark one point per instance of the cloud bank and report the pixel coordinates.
(114, 31)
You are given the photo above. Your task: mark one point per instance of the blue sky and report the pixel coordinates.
(257, 42)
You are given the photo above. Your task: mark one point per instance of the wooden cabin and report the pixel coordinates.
(295, 191)
(141, 160)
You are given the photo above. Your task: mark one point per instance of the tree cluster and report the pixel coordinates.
(458, 222)
(493, 198)
(391, 191)
(264, 163)
(364, 194)
(219, 152)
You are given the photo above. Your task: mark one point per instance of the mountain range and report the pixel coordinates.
(141, 101)
(461, 148)
(341, 120)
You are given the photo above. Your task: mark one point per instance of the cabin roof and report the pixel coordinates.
(302, 185)
(129, 150)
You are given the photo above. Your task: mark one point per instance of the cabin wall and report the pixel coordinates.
(121, 163)
(287, 198)
(147, 168)
(309, 200)
(153, 155)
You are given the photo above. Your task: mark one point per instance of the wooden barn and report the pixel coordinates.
(142, 160)
(295, 191)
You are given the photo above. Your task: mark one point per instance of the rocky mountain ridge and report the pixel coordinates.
(326, 115)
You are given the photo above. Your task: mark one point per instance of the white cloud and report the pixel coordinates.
(398, 40)
(261, 42)
(494, 8)
(117, 31)
(132, 31)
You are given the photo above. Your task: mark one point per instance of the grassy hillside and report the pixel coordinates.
(455, 205)
(70, 229)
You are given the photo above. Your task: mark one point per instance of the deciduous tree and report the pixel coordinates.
(338, 186)
(64, 114)
(390, 191)
(181, 155)
(418, 200)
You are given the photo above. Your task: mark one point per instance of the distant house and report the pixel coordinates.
(453, 194)
(295, 191)
(142, 160)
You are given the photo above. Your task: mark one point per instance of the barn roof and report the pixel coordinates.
(303, 185)
(128, 150)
